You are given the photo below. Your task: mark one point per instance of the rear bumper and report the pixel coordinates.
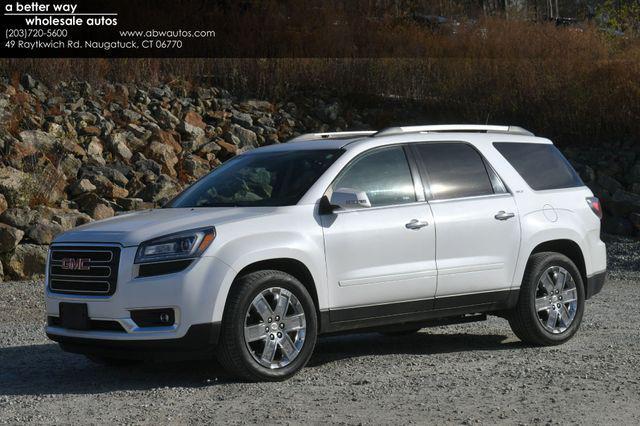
(199, 342)
(595, 283)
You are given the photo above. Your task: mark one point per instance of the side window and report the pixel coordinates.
(383, 174)
(455, 170)
(542, 166)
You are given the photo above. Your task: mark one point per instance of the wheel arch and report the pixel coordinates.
(291, 266)
(569, 248)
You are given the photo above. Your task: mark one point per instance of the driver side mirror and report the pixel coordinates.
(347, 198)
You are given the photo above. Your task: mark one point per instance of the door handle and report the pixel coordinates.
(416, 224)
(502, 215)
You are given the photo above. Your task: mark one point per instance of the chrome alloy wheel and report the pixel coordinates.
(275, 327)
(556, 299)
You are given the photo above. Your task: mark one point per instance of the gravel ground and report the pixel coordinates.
(471, 373)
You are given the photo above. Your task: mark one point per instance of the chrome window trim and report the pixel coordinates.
(390, 206)
(475, 197)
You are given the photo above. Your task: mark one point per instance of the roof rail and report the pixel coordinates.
(332, 135)
(454, 128)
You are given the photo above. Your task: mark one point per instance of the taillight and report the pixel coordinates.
(594, 203)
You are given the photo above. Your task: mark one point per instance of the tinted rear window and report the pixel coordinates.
(455, 170)
(542, 166)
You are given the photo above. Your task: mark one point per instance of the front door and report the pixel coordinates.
(383, 254)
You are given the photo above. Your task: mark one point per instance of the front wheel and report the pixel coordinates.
(551, 301)
(269, 327)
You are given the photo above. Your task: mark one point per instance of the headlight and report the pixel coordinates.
(181, 245)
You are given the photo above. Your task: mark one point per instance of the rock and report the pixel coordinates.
(18, 217)
(90, 131)
(104, 186)
(210, 148)
(80, 187)
(44, 231)
(11, 184)
(110, 190)
(70, 219)
(247, 139)
(72, 147)
(618, 226)
(194, 119)
(134, 204)
(70, 165)
(28, 82)
(609, 183)
(26, 261)
(587, 174)
(130, 115)
(195, 166)
(242, 119)
(194, 136)
(166, 118)
(3, 204)
(634, 218)
(164, 155)
(95, 206)
(163, 189)
(229, 149)
(140, 181)
(259, 105)
(168, 138)
(623, 203)
(10, 237)
(118, 145)
(634, 173)
(145, 165)
(111, 173)
(38, 139)
(139, 131)
(95, 148)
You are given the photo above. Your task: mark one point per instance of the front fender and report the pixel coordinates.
(242, 252)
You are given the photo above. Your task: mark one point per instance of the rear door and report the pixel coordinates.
(477, 224)
(383, 254)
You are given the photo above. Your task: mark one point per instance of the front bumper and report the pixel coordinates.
(191, 293)
(199, 342)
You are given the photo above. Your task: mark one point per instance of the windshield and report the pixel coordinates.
(261, 179)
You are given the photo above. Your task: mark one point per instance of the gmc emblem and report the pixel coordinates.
(74, 264)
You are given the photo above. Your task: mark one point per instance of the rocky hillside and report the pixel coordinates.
(72, 153)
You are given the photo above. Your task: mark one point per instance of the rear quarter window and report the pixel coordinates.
(542, 166)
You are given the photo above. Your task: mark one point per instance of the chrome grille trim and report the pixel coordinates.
(99, 279)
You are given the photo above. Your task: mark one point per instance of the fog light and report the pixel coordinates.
(153, 317)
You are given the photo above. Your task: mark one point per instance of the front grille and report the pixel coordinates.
(84, 270)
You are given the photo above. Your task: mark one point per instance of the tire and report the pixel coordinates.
(112, 362)
(539, 318)
(249, 357)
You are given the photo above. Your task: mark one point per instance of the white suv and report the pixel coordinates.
(389, 231)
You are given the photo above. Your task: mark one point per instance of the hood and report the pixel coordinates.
(131, 229)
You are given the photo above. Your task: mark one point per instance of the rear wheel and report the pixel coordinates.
(269, 327)
(551, 303)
